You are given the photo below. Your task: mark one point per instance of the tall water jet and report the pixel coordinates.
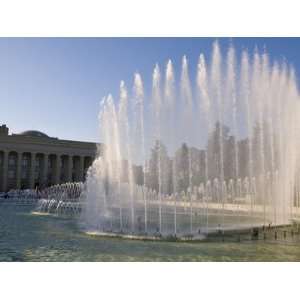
(138, 91)
(245, 94)
(187, 101)
(170, 103)
(292, 137)
(272, 97)
(231, 87)
(216, 86)
(125, 140)
(263, 120)
(281, 135)
(204, 100)
(156, 98)
(113, 153)
(122, 118)
(258, 87)
(205, 107)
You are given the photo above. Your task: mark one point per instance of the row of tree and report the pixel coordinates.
(191, 166)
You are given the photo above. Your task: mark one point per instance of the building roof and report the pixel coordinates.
(34, 133)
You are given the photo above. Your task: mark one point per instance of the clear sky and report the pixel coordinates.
(55, 85)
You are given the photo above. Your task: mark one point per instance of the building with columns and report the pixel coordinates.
(32, 159)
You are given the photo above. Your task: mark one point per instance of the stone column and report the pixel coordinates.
(19, 169)
(81, 169)
(57, 169)
(5, 169)
(45, 170)
(70, 168)
(32, 170)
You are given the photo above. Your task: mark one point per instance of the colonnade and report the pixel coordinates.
(20, 170)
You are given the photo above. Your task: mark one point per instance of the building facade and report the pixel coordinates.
(32, 159)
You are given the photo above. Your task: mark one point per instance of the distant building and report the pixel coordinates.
(32, 159)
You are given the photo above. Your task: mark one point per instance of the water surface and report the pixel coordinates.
(29, 237)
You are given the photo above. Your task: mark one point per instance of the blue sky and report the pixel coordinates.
(55, 85)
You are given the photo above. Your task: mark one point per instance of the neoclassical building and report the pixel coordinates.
(32, 159)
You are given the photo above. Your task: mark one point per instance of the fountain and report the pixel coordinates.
(183, 161)
(63, 199)
(189, 160)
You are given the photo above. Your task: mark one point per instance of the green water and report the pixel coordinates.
(28, 237)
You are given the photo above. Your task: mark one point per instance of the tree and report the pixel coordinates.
(215, 139)
(159, 173)
(182, 168)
